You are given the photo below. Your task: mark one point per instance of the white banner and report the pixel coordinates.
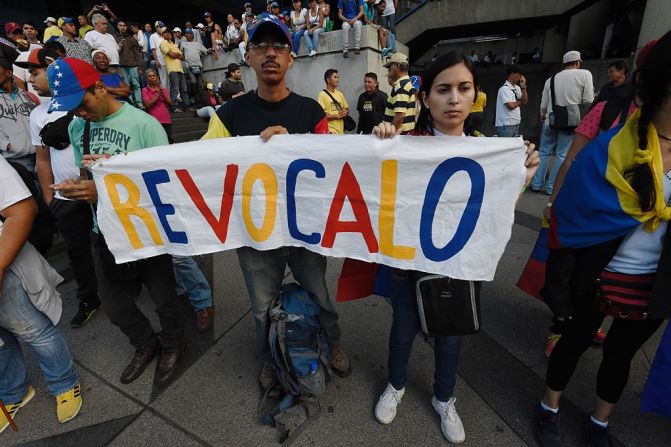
(435, 204)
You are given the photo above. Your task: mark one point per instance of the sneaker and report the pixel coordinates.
(547, 429)
(597, 436)
(293, 54)
(340, 363)
(12, 409)
(267, 377)
(550, 344)
(357, 51)
(385, 410)
(313, 53)
(68, 404)
(450, 423)
(345, 54)
(600, 336)
(385, 52)
(84, 314)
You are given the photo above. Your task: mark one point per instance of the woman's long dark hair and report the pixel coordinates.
(653, 86)
(424, 120)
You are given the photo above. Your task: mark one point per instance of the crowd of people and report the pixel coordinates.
(86, 96)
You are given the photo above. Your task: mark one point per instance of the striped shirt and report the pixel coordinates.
(401, 100)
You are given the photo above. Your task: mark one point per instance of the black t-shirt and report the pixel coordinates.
(229, 88)
(250, 115)
(371, 110)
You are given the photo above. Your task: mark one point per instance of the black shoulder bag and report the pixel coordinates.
(112, 270)
(447, 306)
(55, 133)
(563, 118)
(350, 124)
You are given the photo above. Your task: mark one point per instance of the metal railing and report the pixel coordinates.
(405, 8)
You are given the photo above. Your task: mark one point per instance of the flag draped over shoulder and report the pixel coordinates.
(596, 202)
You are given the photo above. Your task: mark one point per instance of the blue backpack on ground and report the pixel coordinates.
(299, 351)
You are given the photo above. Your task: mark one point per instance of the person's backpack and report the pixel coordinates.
(44, 226)
(299, 351)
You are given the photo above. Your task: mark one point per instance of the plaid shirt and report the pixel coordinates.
(77, 48)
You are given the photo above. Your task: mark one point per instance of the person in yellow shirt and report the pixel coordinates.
(52, 29)
(84, 26)
(173, 64)
(333, 102)
(476, 118)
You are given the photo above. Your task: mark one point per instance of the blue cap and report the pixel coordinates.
(188, 31)
(275, 5)
(266, 20)
(68, 80)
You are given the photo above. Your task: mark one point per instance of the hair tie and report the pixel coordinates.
(643, 156)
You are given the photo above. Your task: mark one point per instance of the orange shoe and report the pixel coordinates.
(599, 337)
(550, 344)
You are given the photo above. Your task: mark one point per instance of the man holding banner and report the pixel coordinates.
(106, 127)
(272, 110)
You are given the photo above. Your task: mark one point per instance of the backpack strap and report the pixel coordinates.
(552, 93)
(86, 146)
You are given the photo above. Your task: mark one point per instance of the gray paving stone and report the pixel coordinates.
(149, 430)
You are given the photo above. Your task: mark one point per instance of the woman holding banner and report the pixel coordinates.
(448, 92)
(611, 250)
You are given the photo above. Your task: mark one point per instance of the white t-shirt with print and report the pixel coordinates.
(12, 188)
(62, 161)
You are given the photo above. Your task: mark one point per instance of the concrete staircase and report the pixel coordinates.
(187, 126)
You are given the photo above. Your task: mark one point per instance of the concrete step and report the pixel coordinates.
(186, 126)
(191, 135)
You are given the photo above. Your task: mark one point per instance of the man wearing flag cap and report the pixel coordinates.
(270, 110)
(116, 128)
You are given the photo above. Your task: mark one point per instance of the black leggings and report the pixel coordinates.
(624, 339)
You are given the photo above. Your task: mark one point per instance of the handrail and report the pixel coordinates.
(405, 8)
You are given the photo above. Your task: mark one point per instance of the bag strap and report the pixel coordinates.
(86, 144)
(334, 100)
(552, 92)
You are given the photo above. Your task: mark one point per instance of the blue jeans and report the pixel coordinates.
(296, 40)
(404, 328)
(389, 22)
(507, 131)
(313, 40)
(189, 278)
(178, 87)
(264, 272)
(391, 41)
(20, 321)
(552, 141)
(131, 77)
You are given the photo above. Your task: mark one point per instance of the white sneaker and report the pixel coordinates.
(312, 53)
(293, 54)
(385, 410)
(450, 423)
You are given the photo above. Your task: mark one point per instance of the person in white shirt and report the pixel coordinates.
(155, 42)
(512, 95)
(74, 220)
(389, 15)
(31, 318)
(573, 88)
(100, 39)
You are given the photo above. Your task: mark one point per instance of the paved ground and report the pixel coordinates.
(213, 401)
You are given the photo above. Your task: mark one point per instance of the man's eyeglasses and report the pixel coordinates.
(262, 47)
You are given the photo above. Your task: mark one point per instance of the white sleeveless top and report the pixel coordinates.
(313, 20)
(299, 22)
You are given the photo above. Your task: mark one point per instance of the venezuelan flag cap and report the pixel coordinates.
(266, 20)
(68, 80)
